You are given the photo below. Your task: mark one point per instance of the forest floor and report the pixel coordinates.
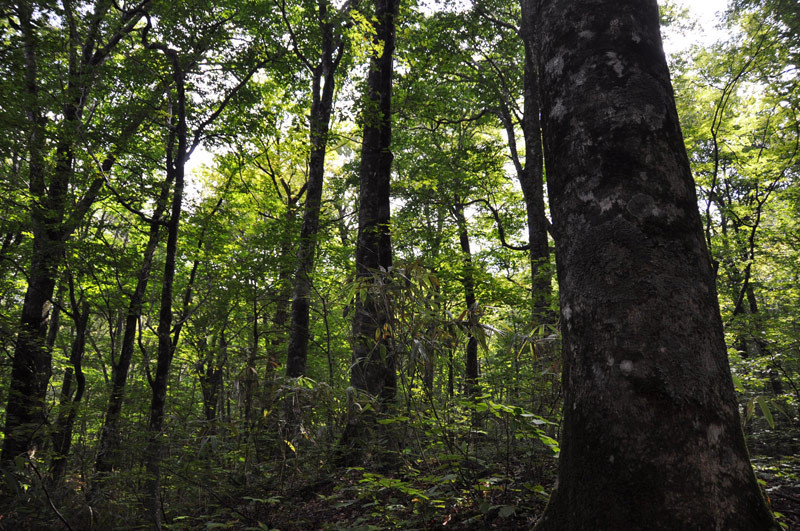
(348, 501)
(781, 479)
(343, 503)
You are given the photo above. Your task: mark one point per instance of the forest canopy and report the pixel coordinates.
(295, 264)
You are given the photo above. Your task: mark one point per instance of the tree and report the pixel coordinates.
(323, 82)
(450, 158)
(109, 441)
(651, 436)
(57, 170)
(180, 144)
(504, 84)
(373, 367)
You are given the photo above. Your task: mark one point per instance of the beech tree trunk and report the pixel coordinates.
(651, 436)
(373, 368)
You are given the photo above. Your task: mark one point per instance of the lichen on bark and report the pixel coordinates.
(651, 436)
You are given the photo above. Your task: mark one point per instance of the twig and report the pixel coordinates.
(211, 491)
(47, 495)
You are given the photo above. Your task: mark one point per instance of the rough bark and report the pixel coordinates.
(323, 81)
(651, 436)
(373, 368)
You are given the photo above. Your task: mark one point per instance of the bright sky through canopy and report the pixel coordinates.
(707, 15)
(705, 12)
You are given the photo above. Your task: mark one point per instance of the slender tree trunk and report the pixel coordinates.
(321, 108)
(109, 444)
(531, 177)
(281, 315)
(531, 173)
(651, 436)
(373, 368)
(62, 437)
(450, 374)
(55, 320)
(176, 162)
(468, 282)
(211, 377)
(251, 376)
(165, 353)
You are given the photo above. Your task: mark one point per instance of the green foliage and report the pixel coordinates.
(738, 105)
(246, 448)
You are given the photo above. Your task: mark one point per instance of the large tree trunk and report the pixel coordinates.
(323, 83)
(651, 436)
(373, 368)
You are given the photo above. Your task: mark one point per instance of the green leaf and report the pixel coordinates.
(393, 420)
(748, 409)
(762, 403)
(507, 510)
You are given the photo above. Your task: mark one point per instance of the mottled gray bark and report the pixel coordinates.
(373, 368)
(651, 436)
